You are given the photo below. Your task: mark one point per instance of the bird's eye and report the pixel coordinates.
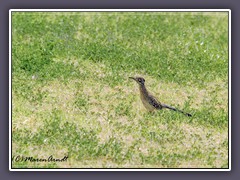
(139, 80)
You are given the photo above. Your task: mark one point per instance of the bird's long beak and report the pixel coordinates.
(132, 78)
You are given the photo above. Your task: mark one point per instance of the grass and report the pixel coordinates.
(71, 95)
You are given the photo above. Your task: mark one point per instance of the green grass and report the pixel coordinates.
(71, 94)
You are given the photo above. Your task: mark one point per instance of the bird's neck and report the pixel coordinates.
(143, 89)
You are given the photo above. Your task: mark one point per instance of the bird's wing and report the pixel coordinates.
(153, 101)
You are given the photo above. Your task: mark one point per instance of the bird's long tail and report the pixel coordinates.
(174, 109)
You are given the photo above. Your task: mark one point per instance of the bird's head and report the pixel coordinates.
(139, 80)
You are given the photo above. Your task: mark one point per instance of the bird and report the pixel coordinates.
(149, 101)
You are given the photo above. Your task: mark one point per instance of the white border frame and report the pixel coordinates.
(119, 10)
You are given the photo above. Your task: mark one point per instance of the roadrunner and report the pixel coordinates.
(149, 101)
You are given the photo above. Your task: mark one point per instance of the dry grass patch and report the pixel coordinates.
(25, 115)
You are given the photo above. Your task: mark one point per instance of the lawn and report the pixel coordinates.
(71, 95)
